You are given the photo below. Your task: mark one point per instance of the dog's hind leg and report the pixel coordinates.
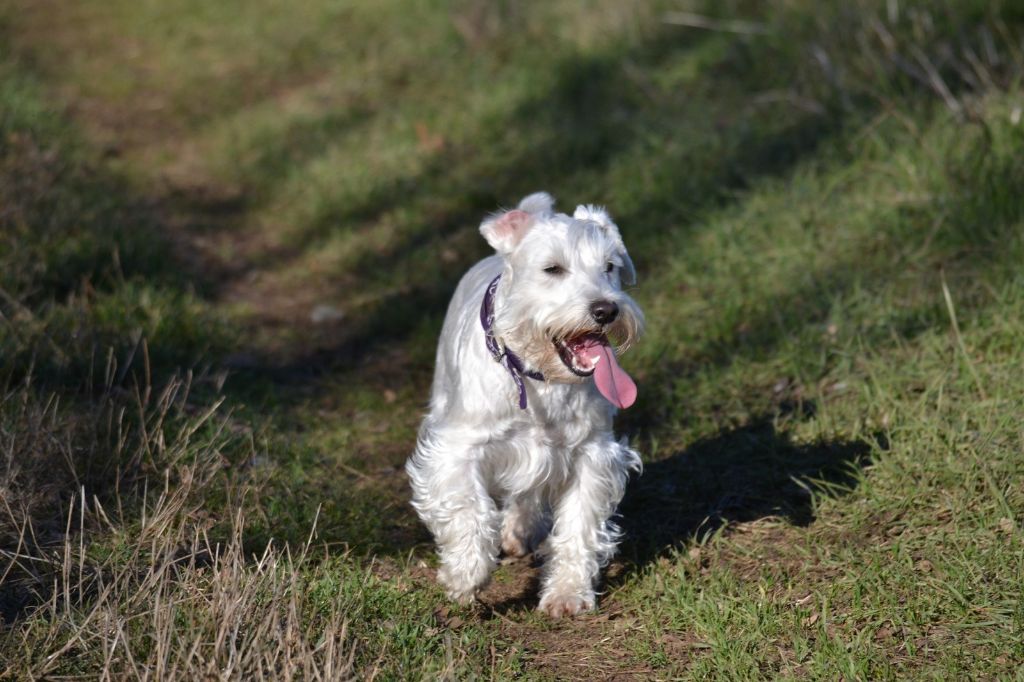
(583, 537)
(524, 525)
(450, 496)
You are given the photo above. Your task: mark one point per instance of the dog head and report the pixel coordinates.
(561, 301)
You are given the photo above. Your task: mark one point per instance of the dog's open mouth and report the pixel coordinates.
(578, 353)
(592, 354)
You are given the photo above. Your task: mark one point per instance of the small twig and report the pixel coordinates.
(979, 68)
(937, 84)
(312, 534)
(832, 75)
(355, 472)
(960, 339)
(883, 34)
(711, 24)
(495, 612)
(136, 342)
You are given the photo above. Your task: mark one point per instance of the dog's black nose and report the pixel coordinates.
(604, 312)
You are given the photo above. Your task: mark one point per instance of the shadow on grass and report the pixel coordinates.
(567, 136)
(595, 112)
(738, 475)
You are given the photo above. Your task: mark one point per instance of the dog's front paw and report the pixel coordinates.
(462, 597)
(569, 605)
(460, 586)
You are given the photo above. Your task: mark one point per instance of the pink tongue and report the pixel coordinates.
(612, 381)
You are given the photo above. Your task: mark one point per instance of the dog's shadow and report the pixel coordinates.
(738, 475)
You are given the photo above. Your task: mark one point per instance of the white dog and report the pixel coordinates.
(518, 442)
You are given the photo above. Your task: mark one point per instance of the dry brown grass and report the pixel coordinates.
(137, 586)
(205, 612)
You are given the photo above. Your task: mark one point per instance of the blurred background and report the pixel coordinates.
(228, 235)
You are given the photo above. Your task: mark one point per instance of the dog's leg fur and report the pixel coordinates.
(464, 519)
(584, 538)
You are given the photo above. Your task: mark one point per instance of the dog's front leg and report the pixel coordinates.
(450, 496)
(584, 538)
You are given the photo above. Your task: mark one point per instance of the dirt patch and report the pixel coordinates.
(598, 646)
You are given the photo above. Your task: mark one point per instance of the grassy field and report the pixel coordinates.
(228, 233)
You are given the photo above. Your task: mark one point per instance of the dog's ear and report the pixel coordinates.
(597, 214)
(538, 203)
(505, 230)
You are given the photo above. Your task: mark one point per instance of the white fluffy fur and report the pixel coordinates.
(488, 476)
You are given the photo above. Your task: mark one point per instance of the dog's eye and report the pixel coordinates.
(554, 270)
(609, 266)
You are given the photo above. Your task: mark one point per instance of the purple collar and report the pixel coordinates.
(512, 362)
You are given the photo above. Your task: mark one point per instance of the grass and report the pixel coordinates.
(199, 480)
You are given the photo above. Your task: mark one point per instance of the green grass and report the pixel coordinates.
(827, 220)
